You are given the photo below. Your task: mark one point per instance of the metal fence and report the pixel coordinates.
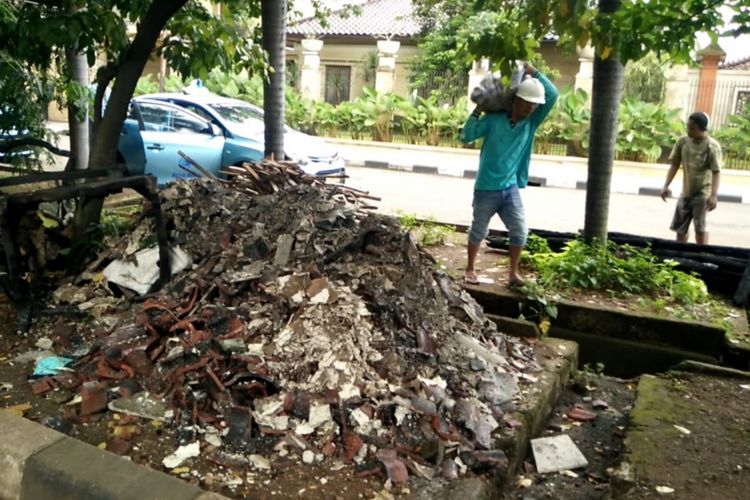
(448, 86)
(731, 96)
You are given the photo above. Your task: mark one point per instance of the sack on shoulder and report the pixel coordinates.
(491, 95)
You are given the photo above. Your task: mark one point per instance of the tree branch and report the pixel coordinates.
(31, 141)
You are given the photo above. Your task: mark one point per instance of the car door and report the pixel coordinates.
(166, 130)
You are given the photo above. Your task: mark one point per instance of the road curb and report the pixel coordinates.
(533, 180)
(38, 463)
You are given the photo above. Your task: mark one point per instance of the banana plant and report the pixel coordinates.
(411, 121)
(380, 109)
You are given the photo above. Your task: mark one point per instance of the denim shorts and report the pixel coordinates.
(505, 203)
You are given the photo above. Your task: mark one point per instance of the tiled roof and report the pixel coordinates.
(739, 64)
(379, 18)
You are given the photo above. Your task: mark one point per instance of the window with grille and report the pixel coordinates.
(338, 80)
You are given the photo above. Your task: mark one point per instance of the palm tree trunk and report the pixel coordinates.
(274, 42)
(605, 105)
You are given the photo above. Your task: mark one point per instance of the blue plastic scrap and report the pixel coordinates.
(51, 365)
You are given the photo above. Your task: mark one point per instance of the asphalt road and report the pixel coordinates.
(448, 199)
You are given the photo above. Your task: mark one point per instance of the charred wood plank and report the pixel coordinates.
(62, 176)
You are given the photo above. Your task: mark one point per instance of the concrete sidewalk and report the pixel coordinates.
(553, 171)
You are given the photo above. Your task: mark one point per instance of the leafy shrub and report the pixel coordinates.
(569, 121)
(644, 129)
(536, 244)
(618, 268)
(146, 85)
(735, 138)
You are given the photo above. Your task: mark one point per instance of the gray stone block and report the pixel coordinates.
(423, 169)
(730, 198)
(649, 191)
(21, 439)
(537, 181)
(376, 164)
(72, 470)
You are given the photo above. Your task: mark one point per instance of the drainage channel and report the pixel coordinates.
(626, 344)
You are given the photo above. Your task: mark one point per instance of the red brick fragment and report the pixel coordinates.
(93, 398)
(42, 386)
(68, 381)
(329, 449)
(582, 415)
(395, 468)
(118, 446)
(138, 360)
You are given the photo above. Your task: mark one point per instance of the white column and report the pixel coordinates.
(385, 76)
(478, 71)
(310, 85)
(585, 76)
(678, 89)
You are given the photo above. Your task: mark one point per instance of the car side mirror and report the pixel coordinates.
(215, 129)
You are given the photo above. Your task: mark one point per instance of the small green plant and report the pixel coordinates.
(435, 234)
(115, 223)
(542, 302)
(427, 232)
(408, 221)
(534, 245)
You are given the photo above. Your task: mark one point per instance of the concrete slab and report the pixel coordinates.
(21, 439)
(556, 453)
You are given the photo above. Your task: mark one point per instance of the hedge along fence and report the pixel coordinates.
(647, 132)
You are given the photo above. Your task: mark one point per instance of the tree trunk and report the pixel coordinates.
(274, 42)
(78, 122)
(129, 70)
(605, 106)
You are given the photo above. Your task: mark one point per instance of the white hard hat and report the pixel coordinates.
(531, 90)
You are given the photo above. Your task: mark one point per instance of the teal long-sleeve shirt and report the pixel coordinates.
(506, 150)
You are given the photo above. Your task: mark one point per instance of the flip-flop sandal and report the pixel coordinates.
(516, 284)
(479, 280)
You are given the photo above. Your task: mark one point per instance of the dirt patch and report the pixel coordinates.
(600, 441)
(691, 434)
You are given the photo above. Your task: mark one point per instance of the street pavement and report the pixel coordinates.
(448, 199)
(557, 171)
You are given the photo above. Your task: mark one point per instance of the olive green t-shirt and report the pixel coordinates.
(698, 160)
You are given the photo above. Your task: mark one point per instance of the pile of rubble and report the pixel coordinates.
(302, 328)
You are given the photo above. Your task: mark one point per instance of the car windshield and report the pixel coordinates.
(238, 113)
(242, 114)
